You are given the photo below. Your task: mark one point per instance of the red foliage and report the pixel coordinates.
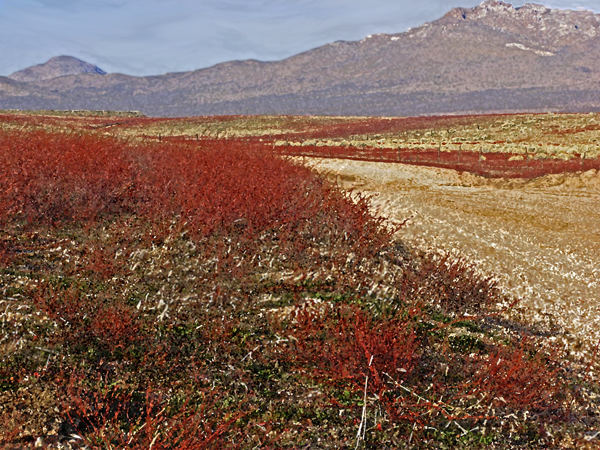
(492, 165)
(345, 344)
(67, 306)
(115, 418)
(513, 378)
(377, 125)
(55, 177)
(566, 131)
(100, 262)
(376, 358)
(215, 187)
(84, 320)
(250, 206)
(115, 326)
(451, 284)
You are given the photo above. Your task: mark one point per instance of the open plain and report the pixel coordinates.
(204, 282)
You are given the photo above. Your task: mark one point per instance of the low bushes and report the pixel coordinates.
(210, 294)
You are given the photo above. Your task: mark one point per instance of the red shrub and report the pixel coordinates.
(101, 263)
(115, 326)
(372, 125)
(55, 177)
(451, 284)
(117, 418)
(84, 320)
(66, 306)
(513, 378)
(217, 187)
(492, 165)
(345, 344)
(380, 359)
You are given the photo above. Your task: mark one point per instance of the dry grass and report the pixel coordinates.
(536, 237)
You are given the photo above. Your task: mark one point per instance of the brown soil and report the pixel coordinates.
(540, 238)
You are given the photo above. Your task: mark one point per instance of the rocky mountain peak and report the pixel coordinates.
(495, 6)
(551, 28)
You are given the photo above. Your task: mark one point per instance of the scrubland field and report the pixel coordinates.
(299, 281)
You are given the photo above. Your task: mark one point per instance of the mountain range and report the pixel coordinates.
(493, 57)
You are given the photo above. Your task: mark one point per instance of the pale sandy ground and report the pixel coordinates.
(540, 239)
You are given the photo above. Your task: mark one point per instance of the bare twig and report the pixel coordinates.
(362, 427)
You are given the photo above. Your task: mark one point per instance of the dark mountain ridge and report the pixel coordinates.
(490, 58)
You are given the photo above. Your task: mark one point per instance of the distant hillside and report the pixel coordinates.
(490, 58)
(56, 67)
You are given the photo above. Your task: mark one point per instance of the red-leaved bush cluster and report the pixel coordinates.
(53, 177)
(490, 164)
(216, 187)
(513, 377)
(347, 345)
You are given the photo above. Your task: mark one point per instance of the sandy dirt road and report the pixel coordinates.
(540, 239)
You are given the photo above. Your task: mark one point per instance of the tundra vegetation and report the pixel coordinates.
(182, 283)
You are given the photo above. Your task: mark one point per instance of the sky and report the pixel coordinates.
(146, 37)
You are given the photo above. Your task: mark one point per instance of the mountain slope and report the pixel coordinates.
(55, 67)
(492, 57)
